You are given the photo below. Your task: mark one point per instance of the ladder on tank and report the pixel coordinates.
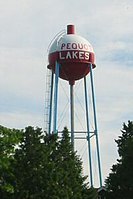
(49, 88)
(47, 100)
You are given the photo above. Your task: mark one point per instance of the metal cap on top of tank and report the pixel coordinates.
(70, 29)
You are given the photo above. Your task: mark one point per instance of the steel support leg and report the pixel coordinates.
(95, 123)
(72, 113)
(51, 99)
(56, 97)
(88, 132)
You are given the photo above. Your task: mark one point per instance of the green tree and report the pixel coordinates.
(89, 193)
(120, 180)
(9, 140)
(41, 166)
(72, 183)
(71, 180)
(33, 165)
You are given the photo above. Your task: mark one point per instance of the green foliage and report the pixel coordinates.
(69, 166)
(90, 193)
(40, 166)
(120, 180)
(28, 165)
(9, 140)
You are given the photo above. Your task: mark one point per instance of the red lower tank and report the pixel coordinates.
(73, 53)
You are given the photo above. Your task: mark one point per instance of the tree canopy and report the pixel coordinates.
(9, 139)
(35, 165)
(120, 181)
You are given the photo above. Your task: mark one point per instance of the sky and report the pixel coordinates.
(27, 28)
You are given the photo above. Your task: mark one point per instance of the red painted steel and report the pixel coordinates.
(70, 29)
(73, 53)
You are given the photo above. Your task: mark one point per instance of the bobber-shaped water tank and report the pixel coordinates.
(73, 53)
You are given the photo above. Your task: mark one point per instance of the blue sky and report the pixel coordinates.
(26, 30)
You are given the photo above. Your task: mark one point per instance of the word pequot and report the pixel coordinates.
(75, 46)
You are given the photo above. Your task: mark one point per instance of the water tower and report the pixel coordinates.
(71, 57)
